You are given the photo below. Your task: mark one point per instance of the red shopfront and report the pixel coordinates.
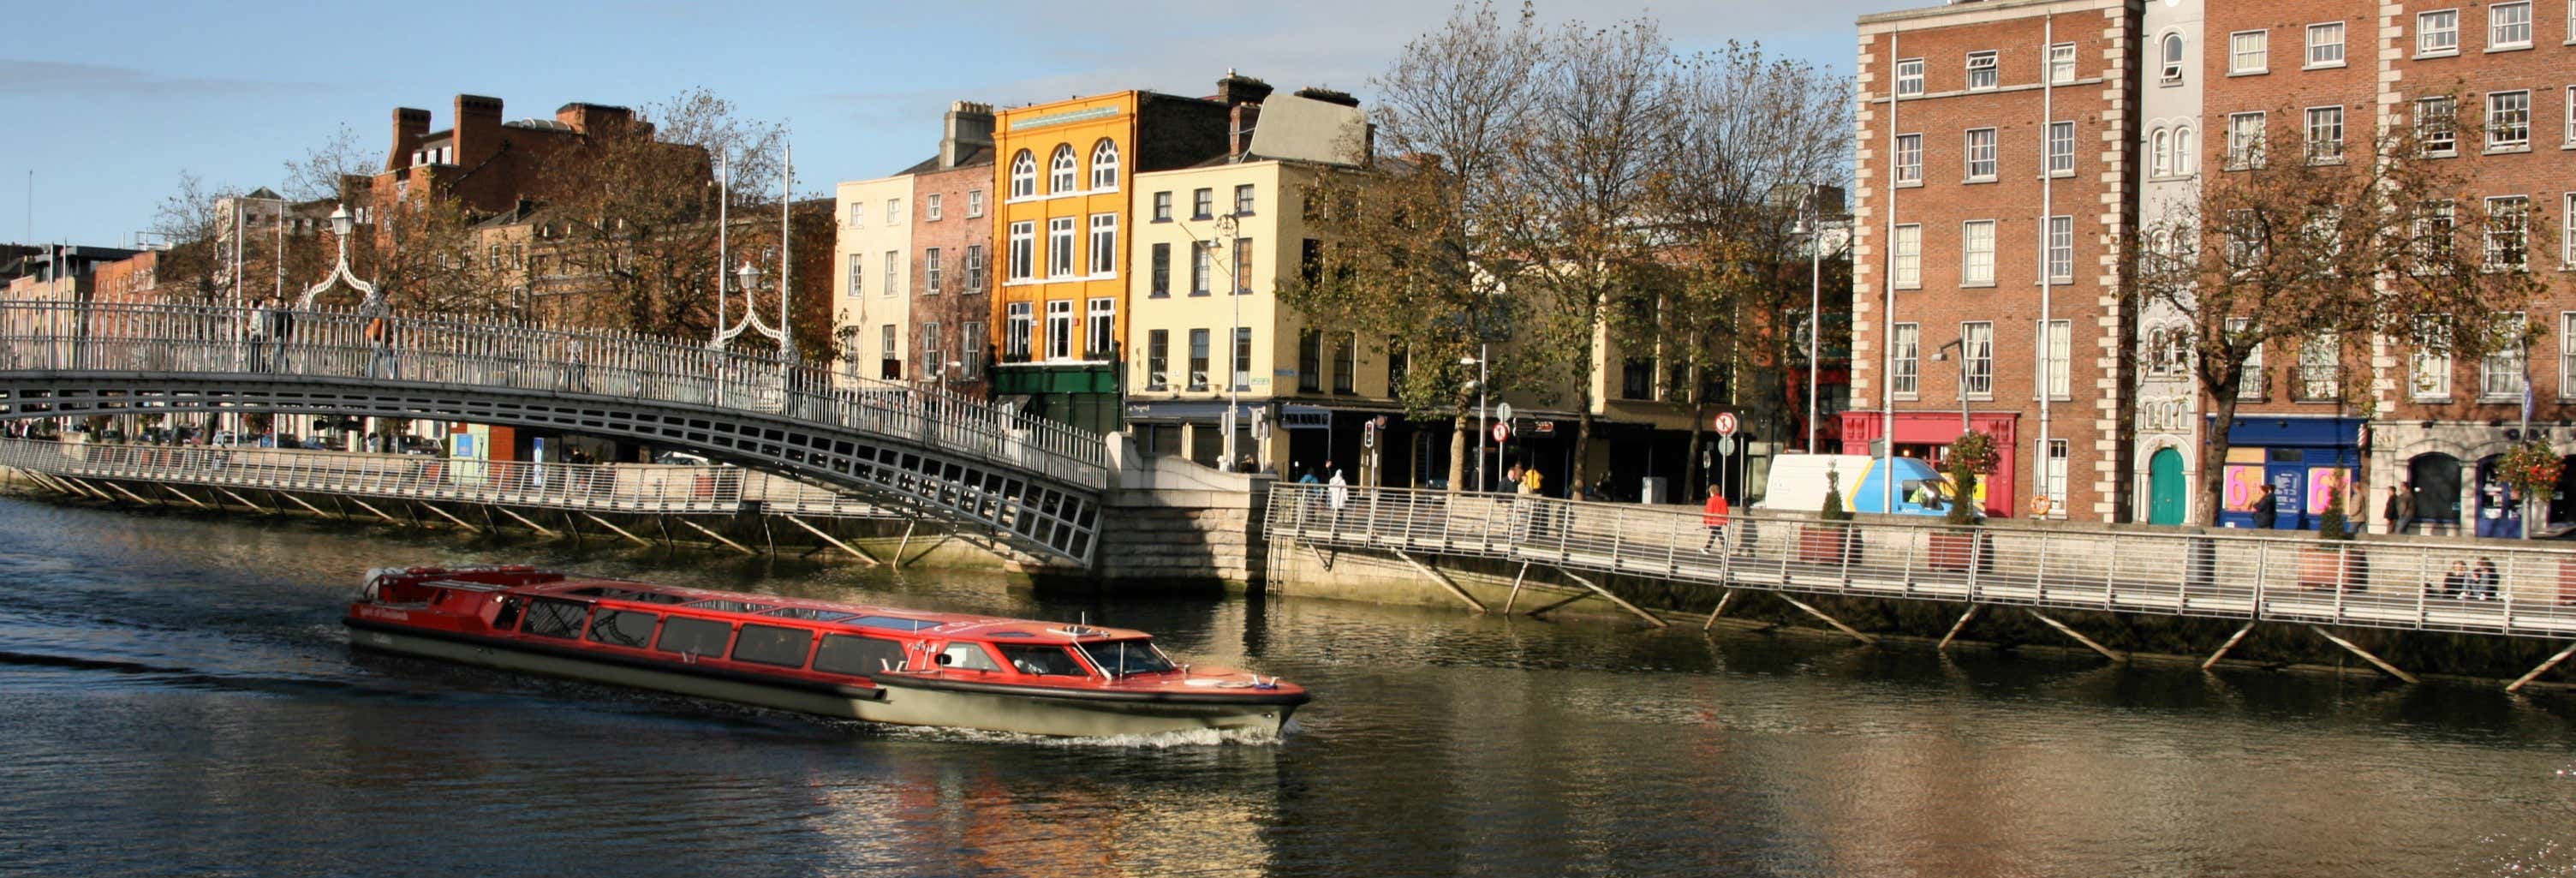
(1925, 434)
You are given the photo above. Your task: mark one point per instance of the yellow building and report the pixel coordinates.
(1065, 171)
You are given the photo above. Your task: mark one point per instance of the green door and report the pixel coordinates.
(2164, 487)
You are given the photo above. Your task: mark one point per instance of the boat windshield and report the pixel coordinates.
(1123, 657)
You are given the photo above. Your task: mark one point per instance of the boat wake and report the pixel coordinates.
(1156, 741)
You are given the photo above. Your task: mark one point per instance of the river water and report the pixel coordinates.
(177, 698)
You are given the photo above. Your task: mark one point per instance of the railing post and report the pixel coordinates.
(2423, 584)
(2262, 569)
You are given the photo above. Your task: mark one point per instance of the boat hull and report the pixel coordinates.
(1021, 712)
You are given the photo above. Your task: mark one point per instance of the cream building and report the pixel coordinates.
(871, 275)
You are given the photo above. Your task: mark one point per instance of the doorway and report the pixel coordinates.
(2165, 487)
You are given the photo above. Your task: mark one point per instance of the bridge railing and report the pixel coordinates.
(2410, 585)
(462, 351)
(641, 488)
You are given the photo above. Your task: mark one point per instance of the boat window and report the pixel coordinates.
(1123, 657)
(548, 617)
(809, 614)
(623, 628)
(724, 606)
(857, 656)
(967, 657)
(694, 636)
(897, 623)
(1043, 660)
(626, 594)
(507, 617)
(772, 645)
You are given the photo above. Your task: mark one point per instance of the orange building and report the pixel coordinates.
(1062, 232)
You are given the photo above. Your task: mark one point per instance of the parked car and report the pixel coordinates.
(682, 458)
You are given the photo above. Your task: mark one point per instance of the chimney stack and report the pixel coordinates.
(1236, 88)
(409, 125)
(967, 126)
(478, 129)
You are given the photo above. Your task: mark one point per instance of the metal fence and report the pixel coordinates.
(458, 351)
(2485, 589)
(634, 488)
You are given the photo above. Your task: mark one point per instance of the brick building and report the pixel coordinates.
(910, 276)
(487, 163)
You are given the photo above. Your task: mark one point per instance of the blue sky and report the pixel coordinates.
(108, 104)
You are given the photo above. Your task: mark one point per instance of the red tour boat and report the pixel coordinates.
(841, 660)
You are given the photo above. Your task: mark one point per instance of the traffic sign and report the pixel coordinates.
(1724, 422)
(1502, 431)
(1725, 446)
(1502, 411)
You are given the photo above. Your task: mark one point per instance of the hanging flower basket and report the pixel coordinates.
(2530, 468)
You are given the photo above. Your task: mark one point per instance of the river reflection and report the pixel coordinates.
(176, 698)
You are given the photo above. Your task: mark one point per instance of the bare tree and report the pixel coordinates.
(324, 171)
(198, 266)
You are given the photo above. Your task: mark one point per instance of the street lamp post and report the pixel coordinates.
(1223, 257)
(1481, 388)
(1943, 353)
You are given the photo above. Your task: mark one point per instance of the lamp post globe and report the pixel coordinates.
(341, 222)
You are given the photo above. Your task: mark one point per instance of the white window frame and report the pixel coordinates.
(2254, 384)
(2186, 153)
(2325, 134)
(1104, 244)
(1909, 77)
(1061, 246)
(1239, 358)
(2061, 149)
(1100, 328)
(858, 277)
(1019, 324)
(1909, 159)
(1064, 172)
(858, 214)
(2428, 360)
(2566, 355)
(1059, 329)
(931, 365)
(1977, 353)
(930, 275)
(2508, 126)
(2325, 45)
(2501, 374)
(930, 207)
(1984, 70)
(894, 212)
(1104, 166)
(2246, 58)
(1023, 256)
(887, 349)
(1200, 361)
(893, 272)
(2055, 346)
(2501, 32)
(970, 349)
(2061, 249)
(1990, 150)
(2437, 33)
(974, 203)
(2499, 233)
(2567, 232)
(2569, 136)
(2172, 55)
(2245, 142)
(1907, 250)
(1024, 175)
(2320, 367)
(2054, 459)
(2437, 125)
(2160, 153)
(1977, 253)
(2061, 63)
(1906, 361)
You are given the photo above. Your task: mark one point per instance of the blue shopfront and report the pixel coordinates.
(2300, 461)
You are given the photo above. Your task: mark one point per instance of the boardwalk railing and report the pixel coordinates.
(38, 336)
(2531, 592)
(634, 488)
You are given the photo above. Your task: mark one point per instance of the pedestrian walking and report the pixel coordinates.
(2265, 510)
(1713, 516)
(281, 327)
(380, 338)
(2400, 509)
(1337, 494)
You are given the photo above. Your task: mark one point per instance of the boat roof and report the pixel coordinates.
(828, 614)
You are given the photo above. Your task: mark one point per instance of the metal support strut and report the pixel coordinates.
(640, 541)
(818, 532)
(2224, 647)
(1444, 580)
(1607, 596)
(718, 537)
(2543, 669)
(1719, 610)
(2365, 655)
(1829, 620)
(1956, 627)
(2079, 638)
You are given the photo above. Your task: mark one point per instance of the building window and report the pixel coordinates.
(1906, 363)
(1977, 253)
(1977, 346)
(974, 203)
(930, 271)
(2173, 59)
(930, 206)
(2429, 365)
(2160, 154)
(1202, 264)
(2325, 134)
(1909, 77)
(1024, 175)
(1198, 359)
(2056, 476)
(970, 349)
(1346, 370)
(2508, 233)
(1909, 158)
(893, 272)
(2567, 355)
(1104, 166)
(1242, 279)
(1399, 360)
(2244, 140)
(2437, 32)
(1981, 154)
(894, 211)
(2508, 120)
(1637, 379)
(1981, 71)
(2061, 148)
(858, 214)
(974, 269)
(1243, 200)
(2185, 157)
(2251, 385)
(2325, 44)
(2055, 350)
(1016, 330)
(1024, 241)
(889, 364)
(1063, 172)
(1100, 335)
(858, 277)
(2248, 52)
(1060, 246)
(2509, 26)
(2501, 375)
(931, 365)
(1908, 253)
(2570, 134)
(1059, 329)
(1158, 359)
(2061, 63)
(1203, 204)
(2320, 364)
(2168, 351)
(1162, 272)
(1104, 243)
(2567, 234)
(2061, 248)
(1310, 361)
(2437, 126)
(1162, 207)
(1243, 358)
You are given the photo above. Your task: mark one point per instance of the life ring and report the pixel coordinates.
(2039, 505)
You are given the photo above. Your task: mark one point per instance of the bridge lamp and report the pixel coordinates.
(341, 222)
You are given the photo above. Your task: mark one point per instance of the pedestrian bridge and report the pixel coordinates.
(1034, 485)
(2290, 580)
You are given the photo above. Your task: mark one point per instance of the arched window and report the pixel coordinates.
(2163, 153)
(2183, 155)
(1061, 175)
(2173, 58)
(1024, 175)
(1104, 166)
